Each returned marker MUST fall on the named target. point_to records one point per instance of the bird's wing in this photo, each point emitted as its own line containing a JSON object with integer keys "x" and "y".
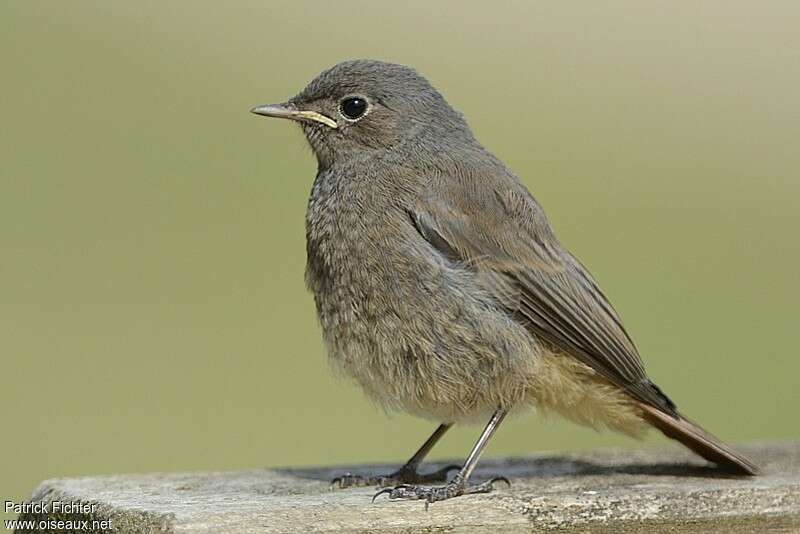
{"x": 504, "y": 237}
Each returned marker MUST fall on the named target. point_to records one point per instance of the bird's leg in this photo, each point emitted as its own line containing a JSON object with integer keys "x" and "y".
{"x": 406, "y": 474}
{"x": 459, "y": 485}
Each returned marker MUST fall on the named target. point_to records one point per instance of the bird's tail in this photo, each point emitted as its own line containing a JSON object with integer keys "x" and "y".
{"x": 692, "y": 436}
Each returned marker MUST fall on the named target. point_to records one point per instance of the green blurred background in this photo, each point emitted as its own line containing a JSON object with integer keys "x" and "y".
{"x": 153, "y": 313}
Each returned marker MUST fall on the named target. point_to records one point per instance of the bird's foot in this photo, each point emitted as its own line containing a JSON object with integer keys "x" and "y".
{"x": 431, "y": 494}
{"x": 403, "y": 476}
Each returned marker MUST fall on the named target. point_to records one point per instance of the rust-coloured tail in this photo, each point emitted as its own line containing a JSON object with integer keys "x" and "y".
{"x": 698, "y": 440}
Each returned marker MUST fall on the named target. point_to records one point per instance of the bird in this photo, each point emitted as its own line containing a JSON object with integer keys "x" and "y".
{"x": 441, "y": 288}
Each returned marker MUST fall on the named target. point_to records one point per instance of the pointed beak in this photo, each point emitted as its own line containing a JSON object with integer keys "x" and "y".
{"x": 290, "y": 111}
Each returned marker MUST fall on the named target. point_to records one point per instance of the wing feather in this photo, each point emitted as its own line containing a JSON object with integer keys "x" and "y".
{"x": 511, "y": 247}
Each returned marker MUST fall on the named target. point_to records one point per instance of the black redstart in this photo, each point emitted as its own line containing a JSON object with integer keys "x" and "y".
{"x": 441, "y": 287}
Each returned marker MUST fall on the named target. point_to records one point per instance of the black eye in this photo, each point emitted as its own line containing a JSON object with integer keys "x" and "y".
{"x": 353, "y": 107}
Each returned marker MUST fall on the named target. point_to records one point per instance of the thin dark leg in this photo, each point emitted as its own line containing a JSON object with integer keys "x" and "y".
{"x": 477, "y": 450}
{"x": 426, "y": 447}
{"x": 459, "y": 485}
{"x": 406, "y": 474}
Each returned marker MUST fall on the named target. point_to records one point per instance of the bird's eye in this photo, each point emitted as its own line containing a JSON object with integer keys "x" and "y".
{"x": 353, "y": 107}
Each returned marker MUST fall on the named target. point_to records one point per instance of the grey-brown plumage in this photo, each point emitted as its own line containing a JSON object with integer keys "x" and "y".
{"x": 439, "y": 283}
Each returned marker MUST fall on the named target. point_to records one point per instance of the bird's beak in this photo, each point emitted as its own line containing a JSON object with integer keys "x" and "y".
{"x": 290, "y": 111}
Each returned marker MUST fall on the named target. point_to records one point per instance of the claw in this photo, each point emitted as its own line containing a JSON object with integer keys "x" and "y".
{"x": 381, "y": 492}
{"x": 500, "y": 479}
{"x": 340, "y": 480}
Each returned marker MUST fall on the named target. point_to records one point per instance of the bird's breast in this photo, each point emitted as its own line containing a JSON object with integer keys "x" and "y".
{"x": 415, "y": 331}
{"x": 348, "y": 250}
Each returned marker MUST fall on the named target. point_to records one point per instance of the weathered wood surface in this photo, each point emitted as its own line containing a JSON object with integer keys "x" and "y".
{"x": 607, "y": 491}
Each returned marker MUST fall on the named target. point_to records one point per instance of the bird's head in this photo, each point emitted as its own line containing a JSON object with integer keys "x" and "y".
{"x": 360, "y": 108}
